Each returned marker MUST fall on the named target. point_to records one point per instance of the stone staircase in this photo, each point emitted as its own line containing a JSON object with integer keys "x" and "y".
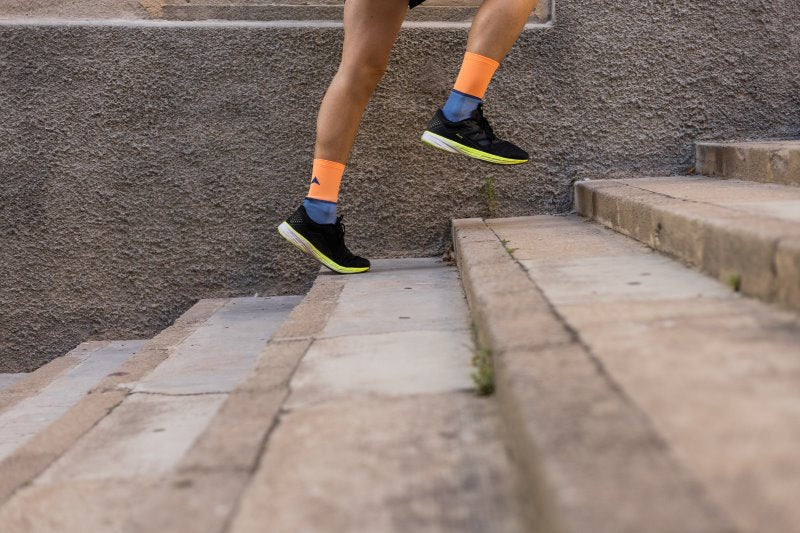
{"x": 341, "y": 412}
{"x": 633, "y": 391}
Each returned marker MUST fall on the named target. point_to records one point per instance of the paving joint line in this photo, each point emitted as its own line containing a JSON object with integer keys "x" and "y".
{"x": 704, "y": 202}
{"x": 263, "y": 446}
{"x": 178, "y": 394}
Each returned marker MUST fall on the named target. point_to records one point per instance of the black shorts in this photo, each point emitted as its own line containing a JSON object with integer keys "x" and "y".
{"x": 414, "y": 3}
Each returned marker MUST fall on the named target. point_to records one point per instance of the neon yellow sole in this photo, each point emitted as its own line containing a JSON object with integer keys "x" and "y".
{"x": 289, "y": 233}
{"x": 449, "y": 145}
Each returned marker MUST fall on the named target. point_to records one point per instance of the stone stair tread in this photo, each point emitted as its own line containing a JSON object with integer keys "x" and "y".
{"x": 381, "y": 415}
{"x": 154, "y": 425}
{"x": 741, "y": 232}
{"x": 715, "y": 375}
{"x": 774, "y": 161}
{"x": 8, "y": 379}
{"x": 94, "y": 361}
{"x": 376, "y": 428}
{"x": 590, "y": 460}
{"x": 217, "y": 356}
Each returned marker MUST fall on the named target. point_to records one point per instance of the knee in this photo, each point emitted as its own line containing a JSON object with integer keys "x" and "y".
{"x": 363, "y": 77}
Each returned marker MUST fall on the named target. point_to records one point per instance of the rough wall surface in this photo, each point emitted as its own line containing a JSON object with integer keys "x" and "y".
{"x": 144, "y": 166}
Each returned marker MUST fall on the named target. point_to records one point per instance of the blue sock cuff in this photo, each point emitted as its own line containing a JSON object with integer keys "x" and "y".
{"x": 459, "y": 106}
{"x": 320, "y": 211}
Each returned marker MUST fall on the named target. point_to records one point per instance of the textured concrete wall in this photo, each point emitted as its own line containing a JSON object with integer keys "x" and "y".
{"x": 146, "y": 166}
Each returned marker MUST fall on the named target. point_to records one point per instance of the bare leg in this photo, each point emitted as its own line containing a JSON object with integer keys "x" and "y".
{"x": 370, "y": 28}
{"x": 497, "y": 26}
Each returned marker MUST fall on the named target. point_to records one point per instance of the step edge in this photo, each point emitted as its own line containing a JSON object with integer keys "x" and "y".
{"x": 37, "y": 380}
{"x": 231, "y": 445}
{"x": 538, "y": 484}
{"x": 38, "y": 453}
{"x": 596, "y": 199}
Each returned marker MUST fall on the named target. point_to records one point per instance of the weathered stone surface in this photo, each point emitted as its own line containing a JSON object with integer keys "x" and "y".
{"x": 217, "y": 356}
{"x": 418, "y": 463}
{"x": 729, "y": 229}
{"x": 80, "y": 506}
{"x": 33, "y": 414}
{"x": 145, "y": 436}
{"x": 152, "y": 430}
{"x": 36, "y": 380}
{"x": 416, "y": 295}
{"x": 7, "y": 380}
{"x": 33, "y": 457}
{"x": 769, "y": 162}
{"x": 381, "y": 431}
{"x": 591, "y": 461}
{"x": 715, "y": 374}
{"x": 787, "y": 267}
{"x": 386, "y": 364}
{"x": 202, "y": 490}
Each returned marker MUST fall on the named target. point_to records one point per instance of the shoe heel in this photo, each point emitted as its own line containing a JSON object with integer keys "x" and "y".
{"x": 437, "y": 142}
{"x": 290, "y": 235}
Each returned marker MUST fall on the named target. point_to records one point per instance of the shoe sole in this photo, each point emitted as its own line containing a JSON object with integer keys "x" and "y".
{"x": 291, "y": 235}
{"x": 449, "y": 145}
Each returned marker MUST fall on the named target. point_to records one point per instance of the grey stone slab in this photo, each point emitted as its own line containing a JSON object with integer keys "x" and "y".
{"x": 786, "y": 210}
{"x": 145, "y": 436}
{"x": 716, "y": 374}
{"x": 6, "y": 380}
{"x": 590, "y": 460}
{"x": 387, "y": 364}
{"x": 421, "y": 463}
{"x": 770, "y": 162}
{"x": 33, "y": 414}
{"x": 217, "y": 355}
{"x": 646, "y": 276}
{"x": 382, "y": 430}
{"x": 716, "y": 192}
{"x": 415, "y": 294}
{"x": 77, "y": 507}
{"x": 34, "y": 457}
{"x": 728, "y": 228}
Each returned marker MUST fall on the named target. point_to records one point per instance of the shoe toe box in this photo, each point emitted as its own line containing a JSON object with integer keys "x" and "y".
{"x": 512, "y": 151}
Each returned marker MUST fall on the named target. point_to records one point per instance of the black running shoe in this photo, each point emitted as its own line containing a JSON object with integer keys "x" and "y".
{"x": 473, "y": 137}
{"x": 323, "y": 242}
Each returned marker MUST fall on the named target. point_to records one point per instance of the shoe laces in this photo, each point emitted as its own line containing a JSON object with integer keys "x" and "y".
{"x": 483, "y": 124}
{"x": 340, "y": 229}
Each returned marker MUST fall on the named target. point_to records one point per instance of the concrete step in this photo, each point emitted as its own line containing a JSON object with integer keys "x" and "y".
{"x": 6, "y": 380}
{"x": 358, "y": 415}
{"x": 93, "y": 361}
{"x": 745, "y": 234}
{"x": 763, "y": 161}
{"x": 645, "y": 396}
{"x": 161, "y": 414}
{"x": 381, "y": 430}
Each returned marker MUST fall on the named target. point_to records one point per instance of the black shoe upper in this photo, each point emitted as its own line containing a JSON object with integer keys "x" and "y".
{"x": 475, "y": 132}
{"x": 327, "y": 238}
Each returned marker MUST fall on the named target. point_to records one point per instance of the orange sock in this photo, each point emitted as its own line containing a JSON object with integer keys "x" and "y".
{"x": 475, "y": 74}
{"x": 326, "y": 176}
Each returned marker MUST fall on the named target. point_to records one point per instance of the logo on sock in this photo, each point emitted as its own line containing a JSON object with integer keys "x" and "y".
{"x": 315, "y": 180}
